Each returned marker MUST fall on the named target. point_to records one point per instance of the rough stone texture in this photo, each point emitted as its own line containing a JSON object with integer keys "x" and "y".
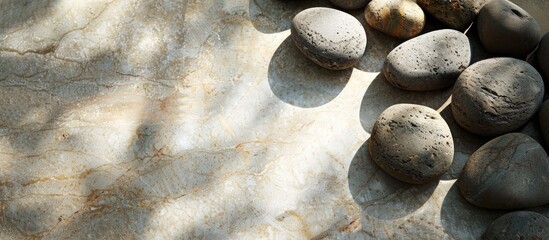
{"x": 544, "y": 122}
{"x": 496, "y": 96}
{"x": 429, "y": 62}
{"x": 331, "y": 38}
{"x": 412, "y": 143}
{"x": 456, "y": 14}
{"x": 506, "y": 29}
{"x": 179, "y": 120}
{"x": 350, "y": 4}
{"x": 508, "y": 172}
{"x": 398, "y": 18}
{"x": 519, "y": 225}
{"x": 542, "y": 56}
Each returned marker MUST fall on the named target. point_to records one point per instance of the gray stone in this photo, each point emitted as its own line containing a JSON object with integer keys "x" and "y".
{"x": 331, "y": 38}
{"x": 508, "y": 172}
{"x": 519, "y": 225}
{"x": 350, "y": 4}
{"x": 496, "y": 96}
{"x": 542, "y": 56}
{"x": 456, "y": 14}
{"x": 398, "y": 18}
{"x": 412, "y": 143}
{"x": 544, "y": 121}
{"x": 429, "y": 62}
{"x": 506, "y": 29}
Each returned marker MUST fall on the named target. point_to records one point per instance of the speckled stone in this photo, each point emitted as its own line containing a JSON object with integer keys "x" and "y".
{"x": 496, "y": 96}
{"x": 456, "y": 14}
{"x": 506, "y": 29}
{"x": 431, "y": 61}
{"x": 412, "y": 143}
{"x": 544, "y": 122}
{"x": 350, "y": 4}
{"x": 331, "y": 38}
{"x": 542, "y": 56}
{"x": 398, "y": 18}
{"x": 508, "y": 172}
{"x": 519, "y": 225}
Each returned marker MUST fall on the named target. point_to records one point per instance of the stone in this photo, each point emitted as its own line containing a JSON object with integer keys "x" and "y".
{"x": 350, "y": 4}
{"x": 456, "y": 14}
{"x": 496, "y": 96}
{"x": 398, "y": 18}
{"x": 519, "y": 225}
{"x": 542, "y": 56}
{"x": 412, "y": 143}
{"x": 508, "y": 30}
{"x": 429, "y": 62}
{"x": 508, "y": 172}
{"x": 544, "y": 122}
{"x": 331, "y": 38}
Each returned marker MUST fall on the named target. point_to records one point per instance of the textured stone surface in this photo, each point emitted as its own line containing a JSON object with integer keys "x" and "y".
{"x": 544, "y": 122}
{"x": 431, "y": 61}
{"x": 542, "y": 56}
{"x": 331, "y": 38}
{"x": 398, "y": 18}
{"x": 350, "y": 4}
{"x": 146, "y": 119}
{"x": 497, "y": 95}
{"x": 508, "y": 172}
{"x": 505, "y": 28}
{"x": 412, "y": 143}
{"x": 519, "y": 225}
{"x": 456, "y": 14}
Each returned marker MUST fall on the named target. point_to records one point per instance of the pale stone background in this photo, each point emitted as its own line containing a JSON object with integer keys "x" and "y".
{"x": 176, "y": 119}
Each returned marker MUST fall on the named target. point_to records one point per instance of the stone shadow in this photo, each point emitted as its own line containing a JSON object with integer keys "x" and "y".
{"x": 296, "y": 80}
{"x": 380, "y": 195}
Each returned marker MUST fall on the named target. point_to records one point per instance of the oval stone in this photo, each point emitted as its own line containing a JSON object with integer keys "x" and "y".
{"x": 398, "y": 18}
{"x": 331, "y": 38}
{"x": 456, "y": 14}
{"x": 508, "y": 172}
{"x": 349, "y": 4}
{"x": 429, "y": 62}
{"x": 519, "y": 225}
{"x": 496, "y": 96}
{"x": 542, "y": 56}
{"x": 412, "y": 143}
{"x": 506, "y": 29}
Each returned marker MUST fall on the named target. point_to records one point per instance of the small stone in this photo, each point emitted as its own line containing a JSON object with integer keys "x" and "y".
{"x": 429, "y": 62}
{"x": 505, "y": 28}
{"x": 331, "y": 38}
{"x": 542, "y": 56}
{"x": 350, "y": 4}
{"x": 412, "y": 143}
{"x": 508, "y": 172}
{"x": 519, "y": 225}
{"x": 496, "y": 96}
{"x": 398, "y": 18}
{"x": 456, "y": 14}
{"x": 544, "y": 122}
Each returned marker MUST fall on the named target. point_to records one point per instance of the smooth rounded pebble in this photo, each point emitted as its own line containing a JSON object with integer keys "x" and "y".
{"x": 542, "y": 55}
{"x": 508, "y": 172}
{"x": 412, "y": 143}
{"x": 331, "y": 38}
{"x": 350, "y": 4}
{"x": 398, "y": 18}
{"x": 496, "y": 96}
{"x": 544, "y": 122}
{"x": 456, "y": 14}
{"x": 506, "y": 29}
{"x": 519, "y": 225}
{"x": 429, "y": 62}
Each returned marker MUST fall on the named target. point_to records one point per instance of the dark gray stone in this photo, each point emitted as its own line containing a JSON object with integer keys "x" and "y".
{"x": 508, "y": 172}
{"x": 331, "y": 38}
{"x": 542, "y": 56}
{"x": 412, "y": 143}
{"x": 506, "y": 29}
{"x": 350, "y": 4}
{"x": 496, "y": 96}
{"x": 544, "y": 122}
{"x": 429, "y": 62}
{"x": 456, "y": 14}
{"x": 519, "y": 225}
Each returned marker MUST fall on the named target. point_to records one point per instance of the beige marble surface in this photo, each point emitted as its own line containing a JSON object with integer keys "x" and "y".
{"x": 176, "y": 119}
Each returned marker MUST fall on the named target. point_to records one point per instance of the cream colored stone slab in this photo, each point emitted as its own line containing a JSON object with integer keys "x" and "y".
{"x": 146, "y": 119}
